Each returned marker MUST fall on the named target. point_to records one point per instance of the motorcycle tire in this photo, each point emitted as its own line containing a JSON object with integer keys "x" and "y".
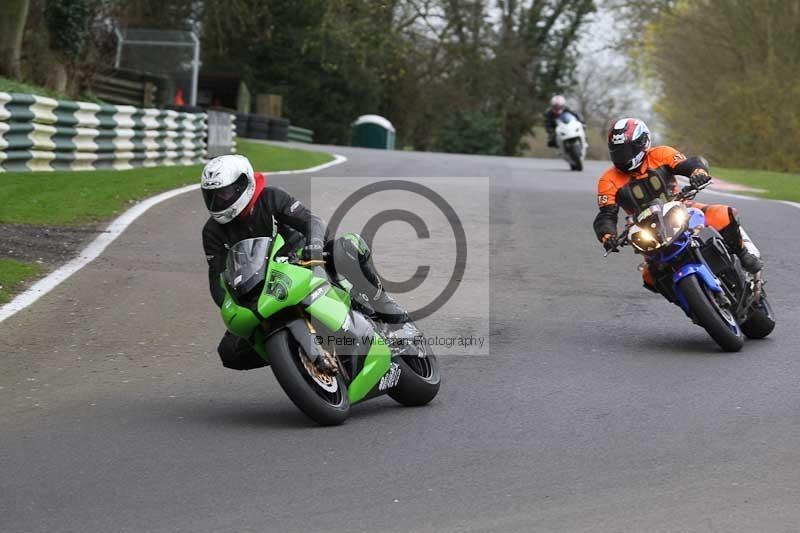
{"x": 574, "y": 153}
{"x": 760, "y": 322}
{"x": 419, "y": 382}
{"x": 257, "y": 134}
{"x": 719, "y": 323}
{"x": 287, "y": 358}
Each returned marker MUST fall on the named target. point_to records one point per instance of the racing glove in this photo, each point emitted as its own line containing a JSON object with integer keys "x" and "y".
{"x": 699, "y": 179}
{"x": 610, "y": 242}
{"x": 312, "y": 251}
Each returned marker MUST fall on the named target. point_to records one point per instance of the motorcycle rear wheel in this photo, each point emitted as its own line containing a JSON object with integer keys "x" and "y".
{"x": 420, "y": 379}
{"x": 719, "y": 323}
{"x": 326, "y": 403}
{"x": 761, "y": 321}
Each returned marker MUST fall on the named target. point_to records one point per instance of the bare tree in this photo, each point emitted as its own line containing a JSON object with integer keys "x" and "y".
{"x": 534, "y": 56}
{"x": 605, "y": 91}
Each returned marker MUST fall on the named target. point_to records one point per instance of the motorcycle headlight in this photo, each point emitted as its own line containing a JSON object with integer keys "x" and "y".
{"x": 676, "y": 221}
{"x": 646, "y": 236}
{"x": 644, "y": 239}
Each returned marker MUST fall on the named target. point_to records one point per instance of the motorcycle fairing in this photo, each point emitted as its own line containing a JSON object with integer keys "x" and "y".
{"x": 675, "y": 249}
{"x": 569, "y": 127}
{"x": 377, "y": 363}
{"x": 239, "y": 320}
{"x": 289, "y": 286}
{"x": 697, "y": 219}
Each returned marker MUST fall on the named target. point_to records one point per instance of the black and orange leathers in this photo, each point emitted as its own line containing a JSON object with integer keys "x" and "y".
{"x": 721, "y": 217}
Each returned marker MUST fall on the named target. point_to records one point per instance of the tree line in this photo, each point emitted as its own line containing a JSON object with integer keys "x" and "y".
{"x": 726, "y": 76}
{"x": 454, "y": 75}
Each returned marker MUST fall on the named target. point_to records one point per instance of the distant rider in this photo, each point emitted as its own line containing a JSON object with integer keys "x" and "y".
{"x": 241, "y": 206}
{"x": 634, "y": 160}
{"x": 558, "y": 106}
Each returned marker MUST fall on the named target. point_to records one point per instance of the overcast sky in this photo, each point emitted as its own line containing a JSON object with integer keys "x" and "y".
{"x": 597, "y": 45}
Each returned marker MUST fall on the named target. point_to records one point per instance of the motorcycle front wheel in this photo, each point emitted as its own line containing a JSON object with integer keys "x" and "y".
{"x": 573, "y": 149}
{"x": 718, "y": 322}
{"x": 322, "y": 397}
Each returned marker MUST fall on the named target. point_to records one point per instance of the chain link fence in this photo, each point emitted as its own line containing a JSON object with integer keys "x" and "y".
{"x": 174, "y": 55}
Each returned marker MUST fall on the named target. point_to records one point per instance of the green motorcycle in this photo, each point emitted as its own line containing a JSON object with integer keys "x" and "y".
{"x": 325, "y": 354}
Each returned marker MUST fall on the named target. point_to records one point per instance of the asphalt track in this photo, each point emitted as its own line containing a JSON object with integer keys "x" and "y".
{"x": 600, "y": 407}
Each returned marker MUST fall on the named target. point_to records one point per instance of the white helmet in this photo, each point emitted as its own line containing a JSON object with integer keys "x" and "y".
{"x": 228, "y": 185}
{"x": 558, "y": 101}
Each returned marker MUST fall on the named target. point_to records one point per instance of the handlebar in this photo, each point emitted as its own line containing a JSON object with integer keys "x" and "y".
{"x": 622, "y": 241}
{"x": 689, "y": 192}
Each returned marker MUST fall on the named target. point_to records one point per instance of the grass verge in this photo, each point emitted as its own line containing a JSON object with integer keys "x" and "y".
{"x": 12, "y": 274}
{"x": 266, "y": 157}
{"x": 89, "y": 197}
{"x": 14, "y": 86}
{"x": 776, "y": 185}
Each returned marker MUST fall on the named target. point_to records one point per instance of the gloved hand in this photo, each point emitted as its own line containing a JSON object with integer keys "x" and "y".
{"x": 699, "y": 179}
{"x": 610, "y": 243}
{"x": 312, "y": 251}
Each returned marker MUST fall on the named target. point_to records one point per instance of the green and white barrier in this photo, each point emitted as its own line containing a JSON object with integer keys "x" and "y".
{"x": 39, "y": 133}
{"x": 301, "y": 135}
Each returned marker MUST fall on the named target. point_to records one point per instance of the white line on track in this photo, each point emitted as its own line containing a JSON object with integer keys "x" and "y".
{"x": 112, "y": 231}
{"x": 337, "y": 159}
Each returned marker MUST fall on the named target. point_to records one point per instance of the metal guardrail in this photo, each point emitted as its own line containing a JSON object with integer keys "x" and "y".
{"x": 301, "y": 135}
{"x": 39, "y": 133}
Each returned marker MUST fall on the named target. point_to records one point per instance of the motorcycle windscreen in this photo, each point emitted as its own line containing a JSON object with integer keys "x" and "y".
{"x": 567, "y": 117}
{"x": 246, "y": 264}
{"x": 662, "y": 223}
{"x": 675, "y": 220}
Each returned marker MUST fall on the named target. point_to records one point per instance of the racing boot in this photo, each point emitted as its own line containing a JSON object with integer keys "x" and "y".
{"x": 748, "y": 254}
{"x": 739, "y": 243}
{"x": 382, "y": 306}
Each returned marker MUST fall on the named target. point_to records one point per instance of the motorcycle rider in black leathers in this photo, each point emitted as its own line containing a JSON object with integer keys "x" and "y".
{"x": 243, "y": 207}
{"x": 558, "y": 106}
